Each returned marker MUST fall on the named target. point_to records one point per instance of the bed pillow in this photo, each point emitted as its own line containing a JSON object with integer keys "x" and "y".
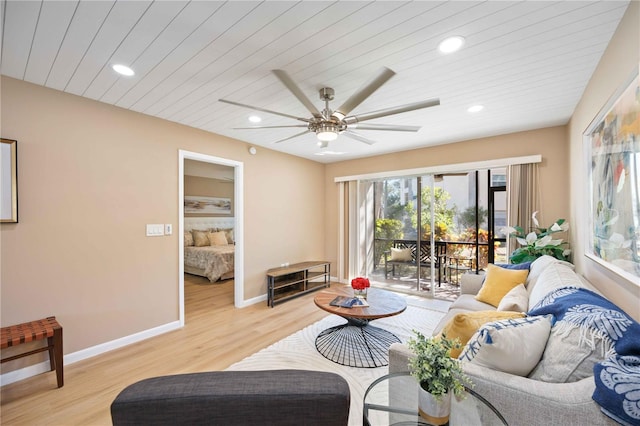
{"x": 217, "y": 238}
{"x": 401, "y": 255}
{"x": 201, "y": 238}
{"x": 228, "y": 232}
{"x": 498, "y": 283}
{"x": 513, "y": 346}
{"x": 188, "y": 239}
{"x": 462, "y": 326}
{"x": 516, "y": 300}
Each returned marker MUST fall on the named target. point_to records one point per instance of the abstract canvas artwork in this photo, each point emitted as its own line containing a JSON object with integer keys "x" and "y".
{"x": 613, "y": 147}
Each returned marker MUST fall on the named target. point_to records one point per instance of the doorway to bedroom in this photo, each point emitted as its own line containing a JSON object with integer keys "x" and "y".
{"x": 210, "y": 222}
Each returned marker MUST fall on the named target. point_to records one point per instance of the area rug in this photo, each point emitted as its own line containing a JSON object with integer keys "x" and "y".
{"x": 298, "y": 351}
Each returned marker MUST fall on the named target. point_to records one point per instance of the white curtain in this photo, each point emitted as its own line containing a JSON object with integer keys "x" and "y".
{"x": 355, "y": 239}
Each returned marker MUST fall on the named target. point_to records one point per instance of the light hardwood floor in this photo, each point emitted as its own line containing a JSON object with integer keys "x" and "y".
{"x": 215, "y": 336}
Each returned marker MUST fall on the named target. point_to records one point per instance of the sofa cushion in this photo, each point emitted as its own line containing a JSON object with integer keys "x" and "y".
{"x": 513, "y": 346}
{"x": 463, "y": 325}
{"x": 468, "y": 302}
{"x": 498, "y": 283}
{"x": 555, "y": 276}
{"x": 401, "y": 255}
{"x": 516, "y": 300}
{"x": 538, "y": 266}
{"x": 566, "y": 360}
{"x": 588, "y": 329}
{"x": 270, "y": 397}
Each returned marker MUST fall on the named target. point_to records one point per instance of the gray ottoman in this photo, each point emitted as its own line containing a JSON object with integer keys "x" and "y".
{"x": 275, "y": 397}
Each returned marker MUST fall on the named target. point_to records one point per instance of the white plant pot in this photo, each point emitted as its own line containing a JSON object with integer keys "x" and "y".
{"x": 435, "y": 412}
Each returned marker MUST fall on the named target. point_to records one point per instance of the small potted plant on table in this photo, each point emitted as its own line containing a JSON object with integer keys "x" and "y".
{"x": 438, "y": 374}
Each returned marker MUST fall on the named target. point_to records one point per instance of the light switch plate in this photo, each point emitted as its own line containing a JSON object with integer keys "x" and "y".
{"x": 155, "y": 230}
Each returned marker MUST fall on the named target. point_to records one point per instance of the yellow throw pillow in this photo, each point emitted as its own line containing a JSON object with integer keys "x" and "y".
{"x": 463, "y": 326}
{"x": 498, "y": 282}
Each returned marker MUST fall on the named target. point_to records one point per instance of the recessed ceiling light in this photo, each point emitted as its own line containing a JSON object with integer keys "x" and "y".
{"x": 123, "y": 69}
{"x": 475, "y": 108}
{"x": 255, "y": 119}
{"x": 451, "y": 44}
{"x": 325, "y": 152}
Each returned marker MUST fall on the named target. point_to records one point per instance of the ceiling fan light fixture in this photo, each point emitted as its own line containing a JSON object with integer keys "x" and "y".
{"x": 327, "y": 133}
{"x": 451, "y": 44}
{"x": 323, "y": 144}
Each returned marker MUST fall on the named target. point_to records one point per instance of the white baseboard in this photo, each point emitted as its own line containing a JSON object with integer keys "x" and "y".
{"x": 24, "y": 373}
{"x": 253, "y": 301}
{"x": 43, "y": 367}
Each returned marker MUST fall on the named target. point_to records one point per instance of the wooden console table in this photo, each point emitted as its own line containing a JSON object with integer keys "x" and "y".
{"x": 297, "y": 279}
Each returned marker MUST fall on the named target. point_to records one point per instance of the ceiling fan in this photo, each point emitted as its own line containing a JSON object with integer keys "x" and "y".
{"x": 328, "y": 123}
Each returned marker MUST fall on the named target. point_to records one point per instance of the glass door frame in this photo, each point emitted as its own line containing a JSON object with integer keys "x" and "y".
{"x": 492, "y": 239}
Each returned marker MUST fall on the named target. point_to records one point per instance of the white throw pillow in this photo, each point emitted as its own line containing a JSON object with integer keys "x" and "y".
{"x": 401, "y": 255}
{"x": 516, "y": 300}
{"x": 513, "y": 346}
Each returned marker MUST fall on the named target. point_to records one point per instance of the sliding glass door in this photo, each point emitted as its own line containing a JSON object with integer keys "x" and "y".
{"x": 421, "y": 233}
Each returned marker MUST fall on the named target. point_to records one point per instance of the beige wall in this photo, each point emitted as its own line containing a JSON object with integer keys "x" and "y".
{"x": 550, "y": 143}
{"x": 90, "y": 177}
{"x": 208, "y": 187}
{"x": 618, "y": 62}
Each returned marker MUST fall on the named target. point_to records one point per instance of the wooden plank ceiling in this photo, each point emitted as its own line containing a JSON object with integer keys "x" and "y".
{"x": 527, "y": 62}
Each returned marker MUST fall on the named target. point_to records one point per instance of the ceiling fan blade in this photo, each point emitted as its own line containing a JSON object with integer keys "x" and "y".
{"x": 394, "y": 127}
{"x": 306, "y": 120}
{"x": 365, "y": 91}
{"x": 294, "y": 136}
{"x": 293, "y": 88}
{"x": 391, "y": 111}
{"x": 358, "y": 137}
{"x": 269, "y": 127}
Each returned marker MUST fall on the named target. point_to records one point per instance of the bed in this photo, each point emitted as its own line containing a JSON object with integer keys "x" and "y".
{"x": 201, "y": 257}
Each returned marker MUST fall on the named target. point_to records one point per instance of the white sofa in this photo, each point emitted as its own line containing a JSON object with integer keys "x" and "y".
{"x": 522, "y": 400}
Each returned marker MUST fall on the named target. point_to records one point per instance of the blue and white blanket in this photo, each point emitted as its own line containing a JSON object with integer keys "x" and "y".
{"x": 618, "y": 376}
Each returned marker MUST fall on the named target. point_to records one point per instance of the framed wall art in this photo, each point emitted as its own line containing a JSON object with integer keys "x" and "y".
{"x": 612, "y": 146}
{"x": 8, "y": 181}
{"x": 207, "y": 205}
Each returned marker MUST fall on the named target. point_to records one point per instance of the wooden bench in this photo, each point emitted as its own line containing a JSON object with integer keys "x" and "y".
{"x": 31, "y": 331}
{"x": 425, "y": 256}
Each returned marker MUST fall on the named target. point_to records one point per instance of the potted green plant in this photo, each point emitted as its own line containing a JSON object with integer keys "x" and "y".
{"x": 438, "y": 374}
{"x": 538, "y": 242}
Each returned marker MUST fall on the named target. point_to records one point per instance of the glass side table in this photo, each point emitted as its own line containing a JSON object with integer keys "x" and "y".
{"x": 393, "y": 400}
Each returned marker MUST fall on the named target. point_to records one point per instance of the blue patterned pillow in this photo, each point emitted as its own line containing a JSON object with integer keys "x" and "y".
{"x": 518, "y": 266}
{"x": 513, "y": 346}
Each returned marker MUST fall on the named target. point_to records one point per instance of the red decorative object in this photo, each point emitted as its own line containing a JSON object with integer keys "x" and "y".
{"x": 360, "y": 283}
